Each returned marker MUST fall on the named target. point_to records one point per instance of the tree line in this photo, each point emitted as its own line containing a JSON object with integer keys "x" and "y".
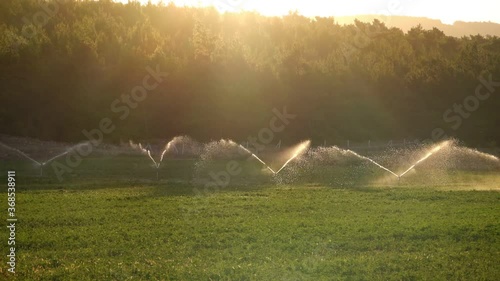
{"x": 63, "y": 63}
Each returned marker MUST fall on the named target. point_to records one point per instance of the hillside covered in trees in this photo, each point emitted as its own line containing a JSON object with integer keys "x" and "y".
{"x": 63, "y": 67}
{"x": 405, "y": 23}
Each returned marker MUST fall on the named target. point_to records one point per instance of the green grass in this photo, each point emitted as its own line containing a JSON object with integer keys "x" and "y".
{"x": 162, "y": 232}
{"x": 113, "y": 221}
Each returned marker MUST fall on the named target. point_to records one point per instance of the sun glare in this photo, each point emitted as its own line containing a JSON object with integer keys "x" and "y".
{"x": 446, "y": 11}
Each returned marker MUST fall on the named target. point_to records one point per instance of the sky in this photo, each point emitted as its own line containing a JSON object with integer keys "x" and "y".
{"x": 445, "y": 10}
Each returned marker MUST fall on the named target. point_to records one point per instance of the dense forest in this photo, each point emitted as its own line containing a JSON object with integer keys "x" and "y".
{"x": 64, "y": 64}
{"x": 405, "y": 23}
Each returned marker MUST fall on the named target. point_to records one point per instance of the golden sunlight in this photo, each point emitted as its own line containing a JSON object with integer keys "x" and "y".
{"x": 446, "y": 11}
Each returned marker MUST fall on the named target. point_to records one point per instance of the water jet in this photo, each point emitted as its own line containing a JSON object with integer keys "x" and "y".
{"x": 300, "y": 149}
{"x": 41, "y": 164}
{"x": 429, "y": 154}
{"x": 258, "y": 159}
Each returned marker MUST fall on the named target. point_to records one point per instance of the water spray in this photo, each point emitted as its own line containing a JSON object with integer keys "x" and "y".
{"x": 302, "y": 147}
{"x": 41, "y": 164}
{"x": 429, "y": 154}
{"x": 20, "y": 153}
{"x": 256, "y": 157}
{"x": 147, "y": 151}
{"x": 373, "y": 161}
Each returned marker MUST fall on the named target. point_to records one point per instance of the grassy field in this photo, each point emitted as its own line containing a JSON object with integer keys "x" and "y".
{"x": 94, "y": 226}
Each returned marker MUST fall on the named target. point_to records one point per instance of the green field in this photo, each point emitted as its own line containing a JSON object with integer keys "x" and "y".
{"x": 129, "y": 226}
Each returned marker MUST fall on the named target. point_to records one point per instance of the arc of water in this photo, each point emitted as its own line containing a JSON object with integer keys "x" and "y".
{"x": 434, "y": 150}
{"x": 301, "y": 148}
{"x": 55, "y": 157}
{"x": 65, "y": 152}
{"x": 20, "y": 153}
{"x": 482, "y": 154}
{"x": 373, "y": 161}
{"x": 163, "y": 154}
{"x": 45, "y": 162}
{"x": 167, "y": 148}
{"x": 152, "y": 159}
{"x": 286, "y": 163}
{"x": 256, "y": 157}
{"x": 148, "y": 152}
{"x": 41, "y": 164}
